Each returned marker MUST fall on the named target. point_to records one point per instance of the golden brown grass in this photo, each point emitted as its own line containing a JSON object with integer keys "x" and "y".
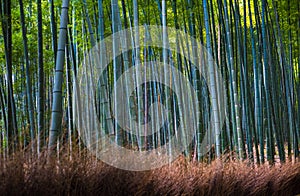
{"x": 26, "y": 175}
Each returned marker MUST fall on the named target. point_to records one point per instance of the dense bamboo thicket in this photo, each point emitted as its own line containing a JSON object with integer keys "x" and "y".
{"x": 240, "y": 61}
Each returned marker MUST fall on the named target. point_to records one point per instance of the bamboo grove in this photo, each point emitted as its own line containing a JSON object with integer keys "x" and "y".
{"x": 254, "y": 43}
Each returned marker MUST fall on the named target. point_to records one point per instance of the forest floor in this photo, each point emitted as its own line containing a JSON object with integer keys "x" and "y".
{"x": 25, "y": 175}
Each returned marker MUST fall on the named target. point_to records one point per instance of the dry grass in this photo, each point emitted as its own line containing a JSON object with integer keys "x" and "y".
{"x": 24, "y": 175}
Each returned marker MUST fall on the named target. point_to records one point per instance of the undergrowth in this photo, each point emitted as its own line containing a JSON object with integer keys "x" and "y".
{"x": 24, "y": 174}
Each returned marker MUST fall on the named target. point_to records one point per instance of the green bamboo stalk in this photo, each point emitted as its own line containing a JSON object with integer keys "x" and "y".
{"x": 56, "y": 114}
{"x": 270, "y": 154}
{"x": 53, "y": 28}
{"x": 233, "y": 83}
{"x": 41, "y": 85}
{"x": 212, "y": 80}
{"x": 28, "y": 78}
